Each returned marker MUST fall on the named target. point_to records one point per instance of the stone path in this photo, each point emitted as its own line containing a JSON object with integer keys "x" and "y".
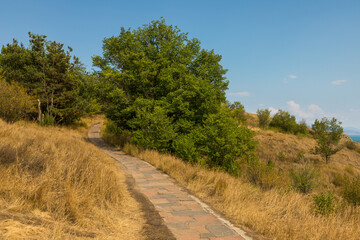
{"x": 185, "y": 215}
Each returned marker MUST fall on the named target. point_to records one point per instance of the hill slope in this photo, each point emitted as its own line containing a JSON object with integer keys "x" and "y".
{"x": 55, "y": 185}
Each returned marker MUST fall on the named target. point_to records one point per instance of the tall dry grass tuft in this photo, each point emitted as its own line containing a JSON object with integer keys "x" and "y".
{"x": 274, "y": 213}
{"x": 55, "y": 185}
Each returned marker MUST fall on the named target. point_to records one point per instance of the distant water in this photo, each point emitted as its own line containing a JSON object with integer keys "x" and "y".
{"x": 356, "y": 138}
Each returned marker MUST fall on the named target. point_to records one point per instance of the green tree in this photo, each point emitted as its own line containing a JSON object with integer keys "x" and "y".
{"x": 327, "y": 134}
{"x": 284, "y": 121}
{"x": 238, "y": 112}
{"x": 160, "y": 85}
{"x": 45, "y": 69}
{"x": 159, "y": 62}
{"x": 264, "y": 118}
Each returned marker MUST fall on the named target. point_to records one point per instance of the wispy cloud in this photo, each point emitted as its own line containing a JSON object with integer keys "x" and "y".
{"x": 239, "y": 94}
{"x": 338, "y": 82}
{"x": 289, "y": 77}
{"x": 312, "y": 111}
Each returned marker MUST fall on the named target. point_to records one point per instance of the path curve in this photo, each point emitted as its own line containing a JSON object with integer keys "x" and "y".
{"x": 185, "y": 215}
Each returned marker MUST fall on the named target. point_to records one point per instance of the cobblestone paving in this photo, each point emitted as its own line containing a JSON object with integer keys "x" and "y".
{"x": 186, "y": 218}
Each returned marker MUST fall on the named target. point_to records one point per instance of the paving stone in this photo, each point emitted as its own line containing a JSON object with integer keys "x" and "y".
{"x": 220, "y": 230}
{"x": 189, "y": 213}
{"x": 184, "y": 217}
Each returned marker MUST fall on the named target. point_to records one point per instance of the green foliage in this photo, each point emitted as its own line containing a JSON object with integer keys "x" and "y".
{"x": 327, "y": 134}
{"x": 302, "y": 127}
{"x": 222, "y": 141}
{"x": 304, "y": 178}
{"x": 324, "y": 204}
{"x": 351, "y": 190}
{"x": 46, "y": 71}
{"x": 48, "y": 120}
{"x": 264, "y": 118}
{"x": 284, "y": 121}
{"x": 238, "y": 112}
{"x": 151, "y": 126}
{"x": 185, "y": 148}
{"x": 168, "y": 92}
{"x": 15, "y": 103}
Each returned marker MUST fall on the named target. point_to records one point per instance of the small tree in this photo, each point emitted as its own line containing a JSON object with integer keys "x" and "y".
{"x": 238, "y": 112}
{"x": 264, "y": 118}
{"x": 327, "y": 134}
{"x": 15, "y": 103}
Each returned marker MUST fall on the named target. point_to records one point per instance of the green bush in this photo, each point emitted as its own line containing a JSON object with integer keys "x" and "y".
{"x": 184, "y": 147}
{"x": 302, "y": 127}
{"x": 221, "y": 141}
{"x": 264, "y": 118}
{"x": 238, "y": 112}
{"x": 15, "y": 103}
{"x": 324, "y": 204}
{"x": 152, "y": 127}
{"x": 351, "y": 190}
{"x": 48, "y": 120}
{"x": 284, "y": 121}
{"x": 304, "y": 179}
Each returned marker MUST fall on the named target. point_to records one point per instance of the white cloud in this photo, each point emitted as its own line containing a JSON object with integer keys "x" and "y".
{"x": 312, "y": 111}
{"x": 292, "y": 76}
{"x": 273, "y": 110}
{"x": 338, "y": 82}
{"x": 239, "y": 94}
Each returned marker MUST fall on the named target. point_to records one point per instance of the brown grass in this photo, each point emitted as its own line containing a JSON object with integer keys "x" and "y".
{"x": 274, "y": 213}
{"x": 55, "y": 185}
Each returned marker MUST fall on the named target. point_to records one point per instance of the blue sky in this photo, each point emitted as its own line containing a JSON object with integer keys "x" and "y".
{"x": 300, "y": 56}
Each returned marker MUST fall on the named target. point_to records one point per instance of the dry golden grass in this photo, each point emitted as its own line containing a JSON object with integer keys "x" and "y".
{"x": 296, "y": 150}
{"x": 276, "y": 214}
{"x": 55, "y": 185}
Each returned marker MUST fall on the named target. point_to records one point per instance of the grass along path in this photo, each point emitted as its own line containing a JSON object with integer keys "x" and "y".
{"x": 185, "y": 216}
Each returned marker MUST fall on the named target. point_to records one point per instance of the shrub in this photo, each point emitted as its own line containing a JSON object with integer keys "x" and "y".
{"x": 221, "y": 141}
{"x": 264, "y": 118}
{"x": 152, "y": 127}
{"x": 48, "y": 120}
{"x": 263, "y": 174}
{"x": 351, "y": 190}
{"x": 324, "y": 204}
{"x": 302, "y": 127}
{"x": 238, "y": 112}
{"x": 15, "y": 103}
{"x": 284, "y": 121}
{"x": 184, "y": 147}
{"x": 304, "y": 179}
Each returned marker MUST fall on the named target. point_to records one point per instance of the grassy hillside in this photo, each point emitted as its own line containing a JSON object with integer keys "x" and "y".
{"x": 270, "y": 206}
{"x": 55, "y": 185}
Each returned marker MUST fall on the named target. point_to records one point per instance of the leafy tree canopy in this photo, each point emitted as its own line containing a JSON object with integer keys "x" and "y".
{"x": 48, "y": 72}
{"x": 163, "y": 87}
{"x": 327, "y": 134}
